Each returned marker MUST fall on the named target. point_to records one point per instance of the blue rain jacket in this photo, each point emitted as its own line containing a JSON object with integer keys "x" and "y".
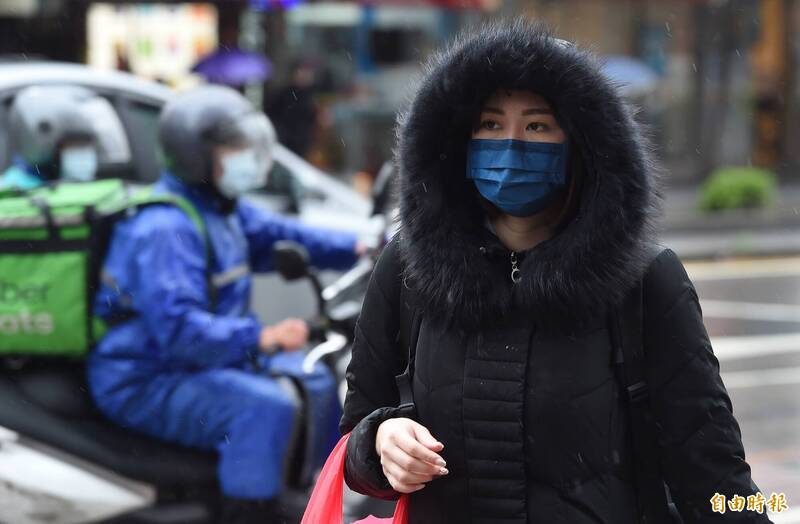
{"x": 20, "y": 176}
{"x": 175, "y": 370}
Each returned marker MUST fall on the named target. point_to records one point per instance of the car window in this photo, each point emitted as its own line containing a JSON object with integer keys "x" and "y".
{"x": 281, "y": 181}
{"x": 141, "y": 121}
{"x": 113, "y": 147}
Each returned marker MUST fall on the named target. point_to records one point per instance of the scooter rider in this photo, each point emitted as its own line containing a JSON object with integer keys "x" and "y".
{"x": 176, "y": 364}
{"x": 50, "y": 138}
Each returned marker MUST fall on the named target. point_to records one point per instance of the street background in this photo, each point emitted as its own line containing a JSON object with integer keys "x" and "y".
{"x": 716, "y": 82}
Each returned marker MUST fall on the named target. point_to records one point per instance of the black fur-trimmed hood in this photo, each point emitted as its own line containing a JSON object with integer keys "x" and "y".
{"x": 457, "y": 268}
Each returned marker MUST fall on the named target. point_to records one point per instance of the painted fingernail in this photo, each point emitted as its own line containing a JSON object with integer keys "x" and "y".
{"x": 441, "y": 462}
{"x": 443, "y": 471}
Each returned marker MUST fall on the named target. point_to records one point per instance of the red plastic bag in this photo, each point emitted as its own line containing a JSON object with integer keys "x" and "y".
{"x": 325, "y": 505}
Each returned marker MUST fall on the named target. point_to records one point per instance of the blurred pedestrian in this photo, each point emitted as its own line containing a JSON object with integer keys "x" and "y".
{"x": 527, "y": 202}
{"x": 293, "y": 110}
{"x": 50, "y": 138}
{"x": 177, "y": 361}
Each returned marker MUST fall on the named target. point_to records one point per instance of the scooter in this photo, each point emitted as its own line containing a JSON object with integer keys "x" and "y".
{"x": 62, "y": 462}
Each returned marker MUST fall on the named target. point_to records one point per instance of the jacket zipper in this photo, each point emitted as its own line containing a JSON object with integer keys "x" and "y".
{"x": 515, "y": 273}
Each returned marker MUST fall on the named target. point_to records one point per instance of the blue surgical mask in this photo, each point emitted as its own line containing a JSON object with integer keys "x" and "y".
{"x": 78, "y": 164}
{"x": 520, "y": 178}
{"x": 241, "y": 172}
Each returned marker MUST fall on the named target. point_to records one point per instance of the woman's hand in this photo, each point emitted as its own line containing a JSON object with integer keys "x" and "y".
{"x": 408, "y": 454}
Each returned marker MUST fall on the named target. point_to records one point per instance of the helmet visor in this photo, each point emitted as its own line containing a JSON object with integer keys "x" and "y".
{"x": 251, "y": 131}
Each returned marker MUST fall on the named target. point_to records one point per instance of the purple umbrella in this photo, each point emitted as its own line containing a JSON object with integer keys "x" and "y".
{"x": 233, "y": 67}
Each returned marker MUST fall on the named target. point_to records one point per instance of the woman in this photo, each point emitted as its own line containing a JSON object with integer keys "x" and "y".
{"x": 526, "y": 200}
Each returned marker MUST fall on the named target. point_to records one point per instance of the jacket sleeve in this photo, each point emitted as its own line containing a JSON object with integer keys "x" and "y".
{"x": 328, "y": 249}
{"x": 699, "y": 438}
{"x": 371, "y": 391}
{"x": 171, "y": 297}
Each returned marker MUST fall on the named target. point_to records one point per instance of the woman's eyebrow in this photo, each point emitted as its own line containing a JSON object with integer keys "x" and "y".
{"x": 495, "y": 110}
{"x": 537, "y": 111}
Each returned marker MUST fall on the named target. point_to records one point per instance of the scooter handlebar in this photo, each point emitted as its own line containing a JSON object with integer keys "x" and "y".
{"x": 333, "y": 342}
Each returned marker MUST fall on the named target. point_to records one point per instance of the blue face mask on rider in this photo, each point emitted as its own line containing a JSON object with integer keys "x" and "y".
{"x": 78, "y": 164}
{"x": 520, "y": 178}
{"x": 241, "y": 172}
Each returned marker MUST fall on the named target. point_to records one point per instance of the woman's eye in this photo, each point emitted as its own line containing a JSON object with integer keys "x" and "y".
{"x": 490, "y": 125}
{"x": 536, "y": 126}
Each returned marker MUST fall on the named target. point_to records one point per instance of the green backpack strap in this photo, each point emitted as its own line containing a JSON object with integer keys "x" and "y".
{"x": 147, "y": 197}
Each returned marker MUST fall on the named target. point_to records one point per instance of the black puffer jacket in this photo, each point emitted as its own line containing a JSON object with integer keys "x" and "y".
{"x": 517, "y": 380}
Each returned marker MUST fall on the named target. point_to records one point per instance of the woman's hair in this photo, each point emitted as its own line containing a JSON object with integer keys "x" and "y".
{"x": 575, "y": 175}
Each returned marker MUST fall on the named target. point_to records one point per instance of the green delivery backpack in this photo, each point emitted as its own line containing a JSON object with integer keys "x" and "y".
{"x": 52, "y": 244}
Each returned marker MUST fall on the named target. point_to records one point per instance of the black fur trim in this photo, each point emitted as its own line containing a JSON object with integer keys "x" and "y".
{"x": 458, "y": 270}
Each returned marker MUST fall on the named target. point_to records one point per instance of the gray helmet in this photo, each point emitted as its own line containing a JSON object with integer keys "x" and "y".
{"x": 42, "y": 118}
{"x": 196, "y": 121}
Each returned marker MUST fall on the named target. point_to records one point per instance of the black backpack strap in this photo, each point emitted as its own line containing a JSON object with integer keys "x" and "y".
{"x": 410, "y": 321}
{"x": 655, "y": 503}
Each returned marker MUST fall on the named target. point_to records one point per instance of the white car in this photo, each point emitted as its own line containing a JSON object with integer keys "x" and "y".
{"x": 126, "y": 119}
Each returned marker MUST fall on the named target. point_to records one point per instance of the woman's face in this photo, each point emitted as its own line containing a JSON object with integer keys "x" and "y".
{"x": 518, "y": 115}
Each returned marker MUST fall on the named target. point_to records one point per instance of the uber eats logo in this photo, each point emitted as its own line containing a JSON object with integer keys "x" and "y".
{"x": 16, "y": 303}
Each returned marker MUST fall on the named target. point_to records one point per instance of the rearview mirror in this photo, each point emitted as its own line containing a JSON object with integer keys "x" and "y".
{"x": 291, "y": 259}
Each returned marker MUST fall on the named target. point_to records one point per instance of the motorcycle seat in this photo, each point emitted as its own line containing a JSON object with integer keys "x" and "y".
{"x": 50, "y": 405}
